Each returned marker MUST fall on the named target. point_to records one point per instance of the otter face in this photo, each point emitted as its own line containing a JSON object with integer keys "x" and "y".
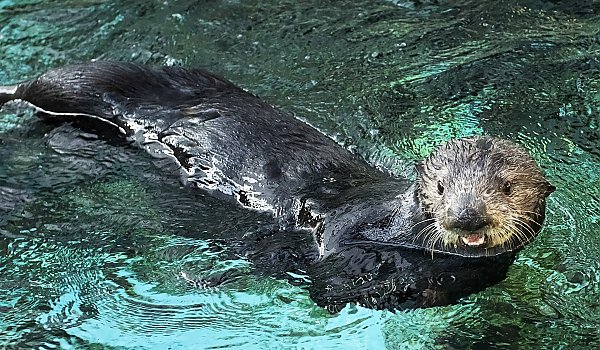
{"x": 481, "y": 196}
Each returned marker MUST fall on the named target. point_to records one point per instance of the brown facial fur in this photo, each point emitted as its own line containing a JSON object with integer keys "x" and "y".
{"x": 483, "y": 188}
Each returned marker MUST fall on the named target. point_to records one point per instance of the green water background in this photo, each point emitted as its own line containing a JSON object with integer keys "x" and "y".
{"x": 94, "y": 254}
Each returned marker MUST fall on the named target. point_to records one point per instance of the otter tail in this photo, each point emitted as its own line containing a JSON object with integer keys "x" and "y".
{"x": 119, "y": 94}
{"x": 7, "y": 93}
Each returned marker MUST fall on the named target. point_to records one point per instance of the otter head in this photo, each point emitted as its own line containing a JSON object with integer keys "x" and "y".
{"x": 481, "y": 196}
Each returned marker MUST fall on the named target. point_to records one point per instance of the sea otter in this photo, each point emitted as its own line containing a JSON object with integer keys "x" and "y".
{"x": 473, "y": 197}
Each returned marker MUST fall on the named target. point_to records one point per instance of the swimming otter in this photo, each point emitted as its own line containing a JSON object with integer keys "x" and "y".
{"x": 474, "y": 197}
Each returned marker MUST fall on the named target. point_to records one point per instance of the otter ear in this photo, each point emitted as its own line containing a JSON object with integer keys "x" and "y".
{"x": 549, "y": 188}
{"x": 420, "y": 167}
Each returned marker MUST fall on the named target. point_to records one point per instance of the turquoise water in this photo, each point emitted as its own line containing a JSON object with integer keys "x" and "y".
{"x": 98, "y": 248}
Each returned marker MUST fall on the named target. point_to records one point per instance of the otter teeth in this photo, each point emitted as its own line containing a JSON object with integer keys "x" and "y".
{"x": 474, "y": 239}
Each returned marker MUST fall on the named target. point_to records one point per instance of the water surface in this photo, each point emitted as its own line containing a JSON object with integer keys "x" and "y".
{"x": 99, "y": 249}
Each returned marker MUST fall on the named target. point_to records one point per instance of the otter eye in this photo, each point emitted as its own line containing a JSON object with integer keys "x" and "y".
{"x": 507, "y": 187}
{"x": 440, "y": 187}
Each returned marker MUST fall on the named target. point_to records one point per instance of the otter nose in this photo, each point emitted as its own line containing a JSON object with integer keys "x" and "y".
{"x": 468, "y": 219}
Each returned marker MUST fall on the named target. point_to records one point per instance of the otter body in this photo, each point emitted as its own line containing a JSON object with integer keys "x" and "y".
{"x": 474, "y": 197}
{"x": 229, "y": 142}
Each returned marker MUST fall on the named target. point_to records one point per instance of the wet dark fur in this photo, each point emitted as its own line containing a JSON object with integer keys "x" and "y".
{"x": 235, "y": 146}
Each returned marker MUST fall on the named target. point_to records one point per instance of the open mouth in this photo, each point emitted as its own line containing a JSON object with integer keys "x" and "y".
{"x": 474, "y": 239}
